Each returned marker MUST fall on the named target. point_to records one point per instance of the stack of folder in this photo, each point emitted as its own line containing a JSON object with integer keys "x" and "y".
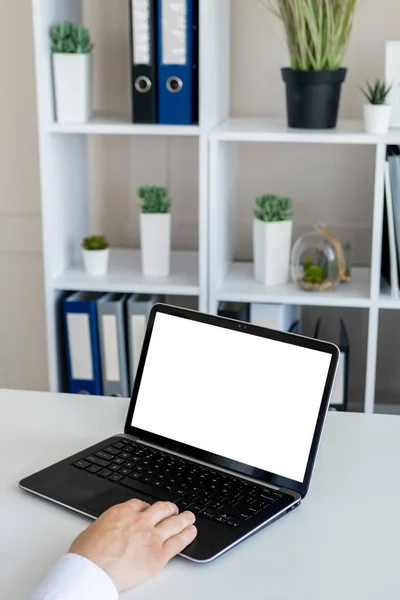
{"x": 164, "y": 54}
{"x": 391, "y": 229}
{"x": 104, "y": 336}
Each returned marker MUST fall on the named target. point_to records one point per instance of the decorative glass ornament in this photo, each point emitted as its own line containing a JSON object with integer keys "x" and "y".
{"x": 317, "y": 262}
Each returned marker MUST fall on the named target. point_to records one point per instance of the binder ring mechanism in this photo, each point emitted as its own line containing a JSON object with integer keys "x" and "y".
{"x": 142, "y": 84}
{"x": 174, "y": 84}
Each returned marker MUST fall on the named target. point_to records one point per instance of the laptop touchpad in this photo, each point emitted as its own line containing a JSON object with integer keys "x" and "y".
{"x": 102, "y": 502}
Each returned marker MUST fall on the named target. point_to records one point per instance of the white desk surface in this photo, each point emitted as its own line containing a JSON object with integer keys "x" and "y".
{"x": 342, "y": 543}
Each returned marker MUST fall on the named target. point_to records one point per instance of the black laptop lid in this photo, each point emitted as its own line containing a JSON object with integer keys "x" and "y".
{"x": 232, "y": 394}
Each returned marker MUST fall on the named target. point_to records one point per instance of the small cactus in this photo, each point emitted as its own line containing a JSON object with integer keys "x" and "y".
{"x": 154, "y": 200}
{"x": 69, "y": 38}
{"x": 270, "y": 208}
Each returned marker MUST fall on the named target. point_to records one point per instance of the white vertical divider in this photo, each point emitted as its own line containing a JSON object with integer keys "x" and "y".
{"x": 373, "y": 324}
{"x": 214, "y": 107}
{"x": 63, "y": 173}
{"x": 222, "y": 198}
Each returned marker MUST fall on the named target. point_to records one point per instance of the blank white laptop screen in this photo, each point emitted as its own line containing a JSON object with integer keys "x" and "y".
{"x": 243, "y": 397}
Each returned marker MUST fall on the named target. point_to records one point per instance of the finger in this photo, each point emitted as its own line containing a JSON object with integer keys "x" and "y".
{"x": 137, "y": 505}
{"x": 175, "y": 525}
{"x": 161, "y": 511}
{"x": 177, "y": 543}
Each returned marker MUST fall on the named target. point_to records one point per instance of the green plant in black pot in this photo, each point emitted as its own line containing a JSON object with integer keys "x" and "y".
{"x": 317, "y": 33}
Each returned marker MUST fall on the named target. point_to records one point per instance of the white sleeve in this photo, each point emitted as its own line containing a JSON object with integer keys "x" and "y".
{"x": 76, "y": 578}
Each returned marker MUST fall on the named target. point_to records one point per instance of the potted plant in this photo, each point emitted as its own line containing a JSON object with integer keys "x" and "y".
{"x": 272, "y": 236}
{"x": 72, "y": 67}
{"x": 96, "y": 255}
{"x": 155, "y": 230}
{"x": 377, "y": 114}
{"x": 317, "y": 33}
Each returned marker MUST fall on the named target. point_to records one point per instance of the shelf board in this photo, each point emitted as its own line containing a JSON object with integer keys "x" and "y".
{"x": 125, "y": 275}
{"x": 276, "y": 130}
{"x": 240, "y": 286}
{"x": 122, "y": 125}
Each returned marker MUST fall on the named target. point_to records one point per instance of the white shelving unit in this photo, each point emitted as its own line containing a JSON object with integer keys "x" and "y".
{"x": 233, "y": 281}
{"x": 211, "y": 274}
{"x": 64, "y": 174}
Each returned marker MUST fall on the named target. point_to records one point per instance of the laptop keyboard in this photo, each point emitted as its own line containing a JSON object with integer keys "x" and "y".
{"x": 202, "y": 490}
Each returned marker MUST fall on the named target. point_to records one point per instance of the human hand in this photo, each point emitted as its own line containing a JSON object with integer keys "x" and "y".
{"x": 132, "y": 542}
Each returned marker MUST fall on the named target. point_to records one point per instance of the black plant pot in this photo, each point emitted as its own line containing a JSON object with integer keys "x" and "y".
{"x": 313, "y": 97}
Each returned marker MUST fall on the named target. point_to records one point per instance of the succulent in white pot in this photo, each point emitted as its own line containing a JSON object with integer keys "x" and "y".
{"x": 155, "y": 231}
{"x": 72, "y": 69}
{"x": 377, "y": 113}
{"x": 96, "y": 255}
{"x": 272, "y": 239}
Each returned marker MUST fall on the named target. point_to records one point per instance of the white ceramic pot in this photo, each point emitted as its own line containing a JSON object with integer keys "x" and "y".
{"x": 96, "y": 261}
{"x": 271, "y": 245}
{"x": 73, "y": 87}
{"x": 155, "y": 236}
{"x": 377, "y": 118}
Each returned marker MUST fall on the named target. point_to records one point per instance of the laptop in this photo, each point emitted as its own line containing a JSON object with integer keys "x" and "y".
{"x": 225, "y": 420}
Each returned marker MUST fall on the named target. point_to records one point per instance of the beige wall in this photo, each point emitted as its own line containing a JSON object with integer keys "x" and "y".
{"x": 332, "y": 184}
{"x": 22, "y": 330}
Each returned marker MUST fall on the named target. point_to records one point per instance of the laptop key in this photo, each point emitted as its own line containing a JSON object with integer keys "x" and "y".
{"x": 98, "y": 461}
{"x": 208, "y": 514}
{"x": 183, "y": 504}
{"x": 104, "y": 455}
{"x": 197, "y": 508}
{"x": 115, "y": 477}
{"x": 253, "y": 510}
{"x": 232, "y": 512}
{"x": 118, "y": 461}
{"x": 124, "y": 455}
{"x": 233, "y": 523}
{"x": 125, "y": 471}
{"x": 112, "y": 450}
{"x": 267, "y": 497}
{"x": 82, "y": 464}
{"x": 105, "y": 473}
{"x": 214, "y": 505}
{"x": 220, "y": 519}
{"x": 119, "y": 445}
{"x": 93, "y": 469}
{"x": 114, "y": 467}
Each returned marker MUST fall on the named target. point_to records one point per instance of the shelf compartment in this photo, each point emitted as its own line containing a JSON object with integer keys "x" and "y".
{"x": 125, "y": 275}
{"x": 122, "y": 125}
{"x": 239, "y": 285}
{"x": 386, "y": 299}
{"x": 276, "y": 130}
